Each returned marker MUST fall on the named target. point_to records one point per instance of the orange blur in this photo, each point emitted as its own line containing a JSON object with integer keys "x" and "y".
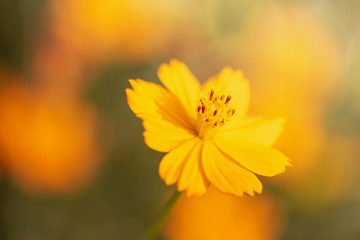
{"x": 293, "y": 62}
{"x": 48, "y": 144}
{"x": 220, "y": 216}
{"x": 122, "y": 29}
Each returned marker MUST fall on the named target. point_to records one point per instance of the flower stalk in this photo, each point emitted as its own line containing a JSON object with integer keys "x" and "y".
{"x": 161, "y": 218}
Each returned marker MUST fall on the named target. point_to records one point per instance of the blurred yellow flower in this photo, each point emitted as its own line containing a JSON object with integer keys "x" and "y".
{"x": 122, "y": 29}
{"x": 233, "y": 218}
{"x": 206, "y": 131}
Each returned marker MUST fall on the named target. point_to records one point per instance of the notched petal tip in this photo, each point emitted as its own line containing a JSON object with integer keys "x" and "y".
{"x": 128, "y": 92}
{"x": 131, "y": 80}
{"x": 134, "y": 82}
{"x": 286, "y": 164}
{"x": 195, "y": 195}
{"x": 166, "y": 68}
{"x": 192, "y": 193}
{"x": 254, "y": 190}
{"x": 229, "y": 71}
{"x": 259, "y": 190}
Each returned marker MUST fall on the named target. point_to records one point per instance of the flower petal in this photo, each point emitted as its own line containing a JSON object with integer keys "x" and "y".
{"x": 183, "y": 165}
{"x": 256, "y": 157}
{"x": 172, "y": 164}
{"x": 151, "y": 101}
{"x": 193, "y": 178}
{"x": 233, "y": 83}
{"x": 181, "y": 82}
{"x": 226, "y": 174}
{"x": 162, "y": 114}
{"x": 259, "y": 130}
{"x": 163, "y": 136}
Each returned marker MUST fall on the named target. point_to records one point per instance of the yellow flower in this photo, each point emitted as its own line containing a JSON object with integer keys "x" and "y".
{"x": 206, "y": 131}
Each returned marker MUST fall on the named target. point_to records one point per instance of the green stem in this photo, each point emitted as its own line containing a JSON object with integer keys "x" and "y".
{"x": 163, "y": 215}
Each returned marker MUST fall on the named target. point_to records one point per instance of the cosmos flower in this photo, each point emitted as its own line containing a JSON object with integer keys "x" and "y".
{"x": 206, "y": 132}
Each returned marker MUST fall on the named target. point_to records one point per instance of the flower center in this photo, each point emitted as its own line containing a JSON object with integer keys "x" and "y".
{"x": 213, "y": 112}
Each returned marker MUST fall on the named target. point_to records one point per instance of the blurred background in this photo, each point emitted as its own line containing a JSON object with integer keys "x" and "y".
{"x": 73, "y": 163}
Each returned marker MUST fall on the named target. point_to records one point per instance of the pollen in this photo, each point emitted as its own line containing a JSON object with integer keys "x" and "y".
{"x": 215, "y": 109}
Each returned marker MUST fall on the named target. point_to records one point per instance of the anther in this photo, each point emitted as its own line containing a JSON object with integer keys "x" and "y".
{"x": 222, "y": 97}
{"x": 199, "y": 108}
{"x": 232, "y": 111}
{"x": 211, "y": 94}
{"x": 215, "y": 112}
{"x": 203, "y": 109}
{"x": 228, "y": 99}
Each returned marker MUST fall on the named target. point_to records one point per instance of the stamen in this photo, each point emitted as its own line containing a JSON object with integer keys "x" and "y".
{"x": 214, "y": 110}
{"x": 211, "y": 94}
{"x": 231, "y": 112}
